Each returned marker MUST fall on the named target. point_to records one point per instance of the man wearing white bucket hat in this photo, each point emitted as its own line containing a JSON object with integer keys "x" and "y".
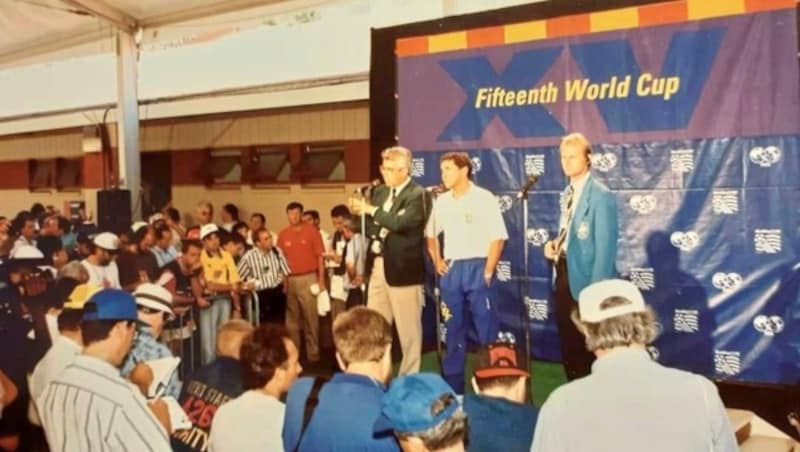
{"x": 154, "y": 308}
{"x": 629, "y": 402}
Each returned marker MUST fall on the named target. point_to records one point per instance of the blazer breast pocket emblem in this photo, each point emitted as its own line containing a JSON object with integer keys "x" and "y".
{"x": 583, "y": 230}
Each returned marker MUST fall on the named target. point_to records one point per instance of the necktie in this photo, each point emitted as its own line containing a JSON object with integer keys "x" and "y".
{"x": 394, "y": 195}
{"x": 562, "y": 235}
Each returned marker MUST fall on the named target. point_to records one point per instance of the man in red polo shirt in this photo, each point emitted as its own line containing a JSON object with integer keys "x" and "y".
{"x": 303, "y": 248}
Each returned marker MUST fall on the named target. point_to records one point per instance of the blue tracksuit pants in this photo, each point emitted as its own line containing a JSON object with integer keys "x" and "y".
{"x": 463, "y": 291}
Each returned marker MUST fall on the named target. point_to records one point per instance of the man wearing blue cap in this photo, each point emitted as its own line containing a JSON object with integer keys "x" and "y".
{"x": 90, "y": 406}
{"x": 424, "y": 413}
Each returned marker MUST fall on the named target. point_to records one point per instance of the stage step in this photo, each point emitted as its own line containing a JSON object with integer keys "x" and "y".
{"x": 758, "y": 443}
{"x": 741, "y": 422}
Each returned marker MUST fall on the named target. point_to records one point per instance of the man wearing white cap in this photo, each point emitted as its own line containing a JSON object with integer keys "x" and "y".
{"x": 154, "y": 308}
{"x": 100, "y": 264}
{"x": 629, "y": 402}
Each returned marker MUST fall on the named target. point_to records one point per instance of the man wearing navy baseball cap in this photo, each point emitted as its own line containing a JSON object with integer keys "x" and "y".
{"x": 499, "y": 417}
{"x": 105, "y": 411}
{"x": 424, "y": 413}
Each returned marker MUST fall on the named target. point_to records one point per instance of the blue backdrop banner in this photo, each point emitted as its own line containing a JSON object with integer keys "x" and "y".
{"x": 704, "y": 165}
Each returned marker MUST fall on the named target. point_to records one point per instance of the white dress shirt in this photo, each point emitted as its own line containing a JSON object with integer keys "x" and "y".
{"x": 89, "y": 406}
{"x": 632, "y": 403}
{"x": 577, "y": 187}
{"x": 387, "y": 205}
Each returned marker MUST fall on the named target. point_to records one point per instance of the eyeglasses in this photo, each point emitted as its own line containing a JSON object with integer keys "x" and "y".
{"x": 150, "y": 311}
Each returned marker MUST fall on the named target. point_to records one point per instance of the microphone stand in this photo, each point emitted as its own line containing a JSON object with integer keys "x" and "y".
{"x": 364, "y": 243}
{"x": 437, "y": 295}
{"x": 523, "y": 284}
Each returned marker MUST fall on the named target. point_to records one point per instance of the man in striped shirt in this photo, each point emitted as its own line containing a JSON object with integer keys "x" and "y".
{"x": 90, "y": 406}
{"x": 266, "y": 266}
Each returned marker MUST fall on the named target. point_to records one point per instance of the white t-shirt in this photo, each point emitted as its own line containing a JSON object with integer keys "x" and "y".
{"x": 98, "y": 275}
{"x": 470, "y": 223}
{"x": 252, "y": 421}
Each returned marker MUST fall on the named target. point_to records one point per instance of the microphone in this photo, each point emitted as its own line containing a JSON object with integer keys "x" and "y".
{"x": 436, "y": 189}
{"x": 532, "y": 179}
{"x": 367, "y": 188}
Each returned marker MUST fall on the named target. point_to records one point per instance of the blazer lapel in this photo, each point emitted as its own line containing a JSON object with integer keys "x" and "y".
{"x": 380, "y": 195}
{"x": 583, "y": 204}
{"x": 401, "y": 197}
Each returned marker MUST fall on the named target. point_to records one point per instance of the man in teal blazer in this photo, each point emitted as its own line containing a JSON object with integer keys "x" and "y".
{"x": 585, "y": 250}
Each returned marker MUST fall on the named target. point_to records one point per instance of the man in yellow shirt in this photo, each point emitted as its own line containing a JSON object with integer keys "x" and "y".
{"x": 222, "y": 285}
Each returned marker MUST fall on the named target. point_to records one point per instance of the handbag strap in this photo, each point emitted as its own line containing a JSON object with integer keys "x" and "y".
{"x": 311, "y": 404}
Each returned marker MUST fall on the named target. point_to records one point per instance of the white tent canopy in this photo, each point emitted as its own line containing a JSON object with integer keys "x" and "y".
{"x": 58, "y": 64}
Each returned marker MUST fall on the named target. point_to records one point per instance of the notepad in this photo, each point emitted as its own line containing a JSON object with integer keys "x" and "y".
{"x": 177, "y": 417}
{"x": 162, "y": 371}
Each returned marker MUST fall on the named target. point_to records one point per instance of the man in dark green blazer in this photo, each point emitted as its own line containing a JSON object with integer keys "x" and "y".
{"x": 395, "y": 218}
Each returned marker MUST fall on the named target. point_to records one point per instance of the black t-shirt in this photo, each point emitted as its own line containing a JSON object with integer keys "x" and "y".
{"x": 338, "y": 237}
{"x": 131, "y": 264}
{"x": 183, "y": 282}
{"x": 201, "y": 396}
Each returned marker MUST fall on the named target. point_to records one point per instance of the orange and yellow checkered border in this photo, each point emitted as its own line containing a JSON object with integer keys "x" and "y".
{"x": 617, "y": 19}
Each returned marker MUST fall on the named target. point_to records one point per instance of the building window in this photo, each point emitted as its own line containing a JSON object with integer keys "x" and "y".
{"x": 69, "y": 174}
{"x": 323, "y": 163}
{"x": 225, "y": 167}
{"x": 271, "y": 164}
{"x": 41, "y": 174}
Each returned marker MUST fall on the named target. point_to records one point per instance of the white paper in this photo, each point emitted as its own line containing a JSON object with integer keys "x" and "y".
{"x": 165, "y": 278}
{"x": 162, "y": 370}
{"x": 338, "y": 291}
{"x": 177, "y": 417}
{"x": 323, "y": 303}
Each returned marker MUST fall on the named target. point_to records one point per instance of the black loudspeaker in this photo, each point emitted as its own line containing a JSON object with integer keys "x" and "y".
{"x": 114, "y": 210}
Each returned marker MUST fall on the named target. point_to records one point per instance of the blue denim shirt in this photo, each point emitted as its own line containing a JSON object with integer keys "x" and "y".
{"x": 146, "y": 348}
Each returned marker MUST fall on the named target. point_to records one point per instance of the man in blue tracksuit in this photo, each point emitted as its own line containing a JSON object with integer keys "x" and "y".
{"x": 474, "y": 234}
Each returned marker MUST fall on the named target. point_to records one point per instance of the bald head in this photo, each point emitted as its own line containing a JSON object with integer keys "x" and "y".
{"x": 230, "y": 336}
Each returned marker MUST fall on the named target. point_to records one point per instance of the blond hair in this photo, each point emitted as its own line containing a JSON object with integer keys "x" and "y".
{"x": 230, "y": 336}
{"x": 397, "y": 152}
{"x": 576, "y": 138}
{"x": 361, "y": 335}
